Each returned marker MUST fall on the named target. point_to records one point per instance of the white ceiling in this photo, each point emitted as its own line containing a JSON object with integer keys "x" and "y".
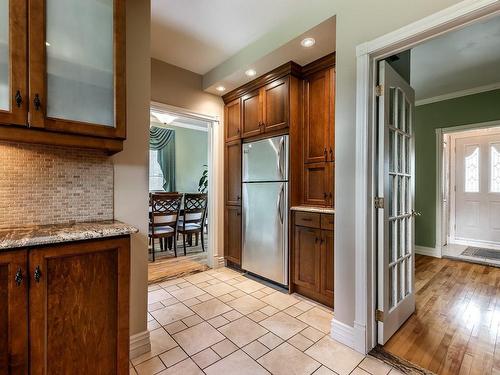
{"x": 462, "y": 60}
{"x": 198, "y": 35}
{"x": 323, "y": 34}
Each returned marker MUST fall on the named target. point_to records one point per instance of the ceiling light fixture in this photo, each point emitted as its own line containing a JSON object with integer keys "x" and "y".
{"x": 220, "y": 88}
{"x": 308, "y": 42}
{"x": 164, "y": 118}
{"x": 251, "y": 73}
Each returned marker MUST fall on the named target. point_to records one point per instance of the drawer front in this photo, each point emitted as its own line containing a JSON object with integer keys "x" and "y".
{"x": 327, "y": 221}
{"x": 307, "y": 219}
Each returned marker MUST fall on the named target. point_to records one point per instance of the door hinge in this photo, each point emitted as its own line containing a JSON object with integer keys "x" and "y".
{"x": 379, "y": 202}
{"x": 379, "y": 316}
{"x": 379, "y": 90}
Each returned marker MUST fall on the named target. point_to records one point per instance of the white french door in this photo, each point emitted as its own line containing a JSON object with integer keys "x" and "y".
{"x": 395, "y": 222}
{"x": 477, "y": 189}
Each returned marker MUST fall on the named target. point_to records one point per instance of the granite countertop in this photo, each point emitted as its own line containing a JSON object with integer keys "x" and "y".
{"x": 58, "y": 233}
{"x": 321, "y": 210}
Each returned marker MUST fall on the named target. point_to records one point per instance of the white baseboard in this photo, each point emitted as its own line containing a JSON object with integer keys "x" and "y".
{"x": 218, "y": 262}
{"x": 140, "y": 343}
{"x": 429, "y": 251}
{"x": 342, "y": 333}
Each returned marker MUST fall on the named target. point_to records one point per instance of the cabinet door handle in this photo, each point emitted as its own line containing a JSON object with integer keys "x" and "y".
{"x": 331, "y": 195}
{"x": 19, "y": 277}
{"x": 238, "y": 198}
{"x": 19, "y": 99}
{"x": 37, "y": 102}
{"x": 331, "y": 154}
{"x": 325, "y": 195}
{"x": 37, "y": 275}
{"x": 326, "y": 154}
{"x": 238, "y": 131}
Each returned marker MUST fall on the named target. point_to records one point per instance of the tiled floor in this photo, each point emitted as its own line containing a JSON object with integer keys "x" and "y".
{"x": 221, "y": 322}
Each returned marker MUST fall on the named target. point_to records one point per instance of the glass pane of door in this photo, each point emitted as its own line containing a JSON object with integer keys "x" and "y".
{"x": 4, "y": 56}
{"x": 80, "y": 75}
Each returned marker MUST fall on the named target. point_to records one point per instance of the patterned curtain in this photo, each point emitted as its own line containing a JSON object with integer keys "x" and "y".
{"x": 163, "y": 140}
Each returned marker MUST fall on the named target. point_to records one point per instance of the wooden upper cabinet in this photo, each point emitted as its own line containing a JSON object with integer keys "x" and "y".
{"x": 79, "y": 300}
{"x": 319, "y": 117}
{"x": 251, "y": 109}
{"x": 77, "y": 67}
{"x": 13, "y": 63}
{"x": 13, "y": 313}
{"x": 232, "y": 120}
{"x": 275, "y": 104}
{"x": 318, "y": 184}
{"x": 232, "y": 173}
{"x": 232, "y": 234}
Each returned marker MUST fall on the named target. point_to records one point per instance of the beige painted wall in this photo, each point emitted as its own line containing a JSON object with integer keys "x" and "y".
{"x": 131, "y": 165}
{"x": 182, "y": 88}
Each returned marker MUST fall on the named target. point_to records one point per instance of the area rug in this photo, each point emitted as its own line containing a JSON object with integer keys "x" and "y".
{"x": 479, "y": 252}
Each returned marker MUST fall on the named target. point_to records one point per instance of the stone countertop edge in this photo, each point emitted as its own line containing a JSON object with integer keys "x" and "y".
{"x": 59, "y": 233}
{"x": 322, "y": 210}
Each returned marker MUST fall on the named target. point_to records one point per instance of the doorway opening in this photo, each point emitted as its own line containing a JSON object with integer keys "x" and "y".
{"x": 469, "y": 185}
{"x": 419, "y": 307}
{"x": 180, "y": 171}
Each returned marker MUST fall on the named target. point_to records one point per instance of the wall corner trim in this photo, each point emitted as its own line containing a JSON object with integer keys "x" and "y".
{"x": 428, "y": 251}
{"x": 353, "y": 337}
{"x": 140, "y": 343}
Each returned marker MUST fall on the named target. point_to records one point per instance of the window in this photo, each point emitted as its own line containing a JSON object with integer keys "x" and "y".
{"x": 495, "y": 168}
{"x": 472, "y": 169}
{"x": 155, "y": 173}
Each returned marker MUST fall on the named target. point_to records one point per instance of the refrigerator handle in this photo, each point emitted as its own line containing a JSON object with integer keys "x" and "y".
{"x": 281, "y": 150}
{"x": 280, "y": 203}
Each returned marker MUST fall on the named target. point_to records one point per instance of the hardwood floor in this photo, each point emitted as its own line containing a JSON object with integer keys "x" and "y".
{"x": 167, "y": 266}
{"x": 455, "y": 329}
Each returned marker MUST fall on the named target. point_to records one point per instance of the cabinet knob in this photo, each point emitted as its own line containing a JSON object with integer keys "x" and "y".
{"x": 331, "y": 154}
{"x": 19, "y": 277}
{"x": 37, "y": 275}
{"x": 325, "y": 195}
{"x": 19, "y": 99}
{"x": 238, "y": 198}
{"x": 37, "y": 102}
{"x": 326, "y": 154}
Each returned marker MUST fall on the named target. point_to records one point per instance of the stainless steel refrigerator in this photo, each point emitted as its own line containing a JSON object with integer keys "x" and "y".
{"x": 265, "y": 208}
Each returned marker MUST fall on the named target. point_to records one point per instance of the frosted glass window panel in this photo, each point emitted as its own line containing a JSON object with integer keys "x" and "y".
{"x": 4, "y": 56}
{"x": 80, "y": 70}
{"x": 472, "y": 169}
{"x": 495, "y": 168}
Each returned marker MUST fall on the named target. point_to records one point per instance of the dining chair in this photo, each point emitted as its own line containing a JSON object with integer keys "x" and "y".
{"x": 195, "y": 207}
{"x": 164, "y": 218}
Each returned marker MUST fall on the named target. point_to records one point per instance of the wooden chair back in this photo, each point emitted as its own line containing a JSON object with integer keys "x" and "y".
{"x": 165, "y": 209}
{"x": 195, "y": 206}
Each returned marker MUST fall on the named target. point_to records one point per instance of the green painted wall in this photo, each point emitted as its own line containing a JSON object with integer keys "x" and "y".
{"x": 191, "y": 153}
{"x": 470, "y": 109}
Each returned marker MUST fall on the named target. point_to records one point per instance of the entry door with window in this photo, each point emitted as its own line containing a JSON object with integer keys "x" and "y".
{"x": 395, "y": 215}
{"x": 477, "y": 188}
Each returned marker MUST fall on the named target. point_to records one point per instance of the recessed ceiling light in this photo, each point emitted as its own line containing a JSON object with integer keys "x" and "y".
{"x": 220, "y": 88}
{"x": 308, "y": 42}
{"x": 251, "y": 72}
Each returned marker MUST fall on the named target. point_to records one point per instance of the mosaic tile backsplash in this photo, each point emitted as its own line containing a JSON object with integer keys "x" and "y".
{"x": 50, "y": 185}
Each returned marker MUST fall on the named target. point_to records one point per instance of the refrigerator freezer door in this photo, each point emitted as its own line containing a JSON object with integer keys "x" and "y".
{"x": 266, "y": 160}
{"x": 265, "y": 223}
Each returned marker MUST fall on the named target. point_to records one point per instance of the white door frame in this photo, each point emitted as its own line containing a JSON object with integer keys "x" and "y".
{"x": 440, "y": 215}
{"x": 364, "y": 332}
{"x": 215, "y": 179}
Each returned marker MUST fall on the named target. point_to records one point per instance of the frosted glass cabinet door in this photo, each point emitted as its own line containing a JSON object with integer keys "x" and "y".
{"x": 13, "y": 110}
{"x": 77, "y": 68}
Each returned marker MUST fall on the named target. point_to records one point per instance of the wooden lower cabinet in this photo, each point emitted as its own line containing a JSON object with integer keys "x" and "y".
{"x": 312, "y": 257}
{"x": 232, "y": 234}
{"x": 78, "y": 308}
{"x": 13, "y": 313}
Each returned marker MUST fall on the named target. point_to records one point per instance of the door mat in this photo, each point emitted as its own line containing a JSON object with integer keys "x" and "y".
{"x": 480, "y": 252}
